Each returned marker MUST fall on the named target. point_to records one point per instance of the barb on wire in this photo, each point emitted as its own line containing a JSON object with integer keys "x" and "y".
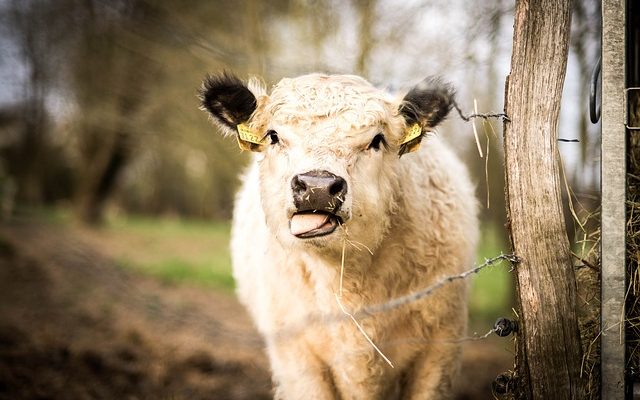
{"x": 475, "y": 337}
{"x": 469, "y": 117}
{"x": 410, "y": 298}
{"x": 286, "y": 333}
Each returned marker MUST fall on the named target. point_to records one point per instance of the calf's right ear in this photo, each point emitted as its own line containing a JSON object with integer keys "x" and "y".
{"x": 230, "y": 102}
{"x": 423, "y": 108}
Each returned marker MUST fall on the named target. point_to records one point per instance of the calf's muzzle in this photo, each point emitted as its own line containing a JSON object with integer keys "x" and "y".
{"x": 318, "y": 190}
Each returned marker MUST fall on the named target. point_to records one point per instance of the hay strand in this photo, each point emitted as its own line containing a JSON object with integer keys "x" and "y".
{"x": 475, "y": 130}
{"x": 339, "y": 296}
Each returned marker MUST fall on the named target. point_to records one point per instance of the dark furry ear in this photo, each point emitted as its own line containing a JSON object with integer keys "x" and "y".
{"x": 227, "y": 99}
{"x": 428, "y": 103}
{"x": 423, "y": 108}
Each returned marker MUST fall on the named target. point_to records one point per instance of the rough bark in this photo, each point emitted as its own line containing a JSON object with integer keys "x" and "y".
{"x": 549, "y": 353}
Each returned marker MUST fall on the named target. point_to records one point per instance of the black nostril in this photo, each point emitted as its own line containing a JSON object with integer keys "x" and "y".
{"x": 298, "y": 185}
{"x": 338, "y": 187}
{"x": 318, "y": 190}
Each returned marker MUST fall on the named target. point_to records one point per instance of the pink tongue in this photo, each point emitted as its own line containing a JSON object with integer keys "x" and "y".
{"x": 303, "y": 223}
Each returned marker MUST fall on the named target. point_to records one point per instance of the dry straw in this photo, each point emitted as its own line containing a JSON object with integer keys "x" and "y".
{"x": 339, "y": 294}
{"x": 632, "y": 300}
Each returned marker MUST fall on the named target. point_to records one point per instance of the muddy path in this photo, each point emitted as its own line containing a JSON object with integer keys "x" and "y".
{"x": 74, "y": 325}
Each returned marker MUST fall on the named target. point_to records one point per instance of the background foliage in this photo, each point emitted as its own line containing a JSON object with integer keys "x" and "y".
{"x": 99, "y": 111}
{"x": 101, "y": 138}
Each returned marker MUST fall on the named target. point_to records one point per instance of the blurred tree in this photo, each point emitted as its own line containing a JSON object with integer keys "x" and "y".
{"x": 26, "y": 21}
{"x": 109, "y": 76}
{"x": 110, "y": 87}
{"x": 484, "y": 86}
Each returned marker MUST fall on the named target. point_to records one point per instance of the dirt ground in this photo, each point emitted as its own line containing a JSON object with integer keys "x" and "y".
{"x": 73, "y": 325}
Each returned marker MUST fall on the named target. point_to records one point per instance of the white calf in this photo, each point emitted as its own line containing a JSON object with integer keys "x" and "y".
{"x": 327, "y": 181}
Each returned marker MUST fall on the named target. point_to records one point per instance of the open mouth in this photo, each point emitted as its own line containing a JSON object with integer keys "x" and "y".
{"x": 309, "y": 224}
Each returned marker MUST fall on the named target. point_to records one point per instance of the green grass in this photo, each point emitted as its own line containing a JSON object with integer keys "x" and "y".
{"x": 50, "y": 215}
{"x": 196, "y": 252}
{"x": 174, "y": 250}
{"x": 492, "y": 288}
{"x": 159, "y": 227}
{"x": 176, "y": 270}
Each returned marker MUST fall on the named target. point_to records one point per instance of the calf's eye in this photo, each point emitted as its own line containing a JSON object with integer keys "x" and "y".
{"x": 273, "y": 136}
{"x": 377, "y": 142}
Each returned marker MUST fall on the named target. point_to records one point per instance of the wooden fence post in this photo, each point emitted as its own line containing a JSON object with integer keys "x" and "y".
{"x": 548, "y": 344}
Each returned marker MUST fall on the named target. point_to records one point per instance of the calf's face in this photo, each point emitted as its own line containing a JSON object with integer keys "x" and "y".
{"x": 329, "y": 148}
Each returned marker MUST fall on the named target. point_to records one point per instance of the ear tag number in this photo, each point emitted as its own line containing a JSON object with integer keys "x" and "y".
{"x": 248, "y": 135}
{"x": 413, "y": 132}
{"x": 247, "y": 138}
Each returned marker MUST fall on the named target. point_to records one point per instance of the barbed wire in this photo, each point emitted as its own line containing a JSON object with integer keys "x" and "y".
{"x": 416, "y": 296}
{"x": 469, "y": 117}
{"x": 499, "y": 327}
{"x": 314, "y": 319}
{"x": 76, "y": 254}
{"x": 471, "y": 338}
{"x": 400, "y": 301}
{"x": 501, "y": 116}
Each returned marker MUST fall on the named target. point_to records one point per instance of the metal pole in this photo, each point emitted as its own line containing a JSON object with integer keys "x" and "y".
{"x": 613, "y": 198}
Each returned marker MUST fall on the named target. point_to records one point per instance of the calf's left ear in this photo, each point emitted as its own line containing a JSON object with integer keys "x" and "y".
{"x": 423, "y": 108}
{"x": 230, "y": 102}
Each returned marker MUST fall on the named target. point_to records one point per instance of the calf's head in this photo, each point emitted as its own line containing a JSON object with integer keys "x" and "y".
{"x": 328, "y": 149}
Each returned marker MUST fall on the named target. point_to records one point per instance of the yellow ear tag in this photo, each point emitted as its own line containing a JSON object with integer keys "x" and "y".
{"x": 409, "y": 143}
{"x": 413, "y": 132}
{"x": 248, "y": 135}
{"x": 247, "y": 138}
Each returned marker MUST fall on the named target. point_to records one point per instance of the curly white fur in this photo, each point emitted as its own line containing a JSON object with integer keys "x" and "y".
{"x": 417, "y": 214}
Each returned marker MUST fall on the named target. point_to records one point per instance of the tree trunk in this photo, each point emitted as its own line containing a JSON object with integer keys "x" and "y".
{"x": 548, "y": 344}
{"x": 110, "y": 140}
{"x": 103, "y": 182}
